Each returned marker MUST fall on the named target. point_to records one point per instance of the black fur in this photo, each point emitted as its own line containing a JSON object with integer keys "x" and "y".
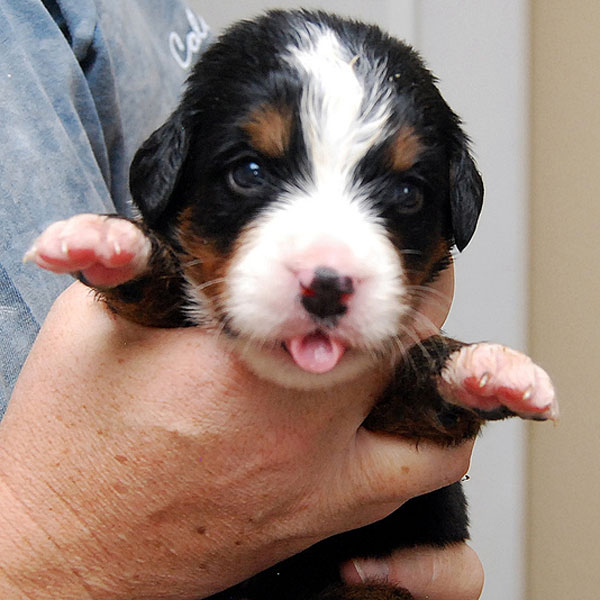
{"x": 184, "y": 162}
{"x": 156, "y": 168}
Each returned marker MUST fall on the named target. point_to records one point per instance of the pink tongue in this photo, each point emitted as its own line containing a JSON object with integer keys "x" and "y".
{"x": 315, "y": 352}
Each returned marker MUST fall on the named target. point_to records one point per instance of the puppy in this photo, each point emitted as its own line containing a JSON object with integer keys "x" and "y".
{"x": 300, "y": 201}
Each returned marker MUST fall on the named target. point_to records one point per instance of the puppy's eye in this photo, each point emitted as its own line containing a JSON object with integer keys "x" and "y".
{"x": 409, "y": 198}
{"x": 246, "y": 176}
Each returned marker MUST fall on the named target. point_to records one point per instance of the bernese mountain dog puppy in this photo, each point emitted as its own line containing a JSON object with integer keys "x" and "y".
{"x": 299, "y": 202}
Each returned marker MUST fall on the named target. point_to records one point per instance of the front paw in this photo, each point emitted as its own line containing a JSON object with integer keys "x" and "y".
{"x": 104, "y": 251}
{"x": 491, "y": 378}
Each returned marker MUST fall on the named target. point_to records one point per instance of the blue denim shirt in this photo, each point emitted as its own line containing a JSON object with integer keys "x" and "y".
{"x": 82, "y": 84}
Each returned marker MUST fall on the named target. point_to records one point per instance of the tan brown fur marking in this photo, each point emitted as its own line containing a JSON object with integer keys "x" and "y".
{"x": 425, "y": 265}
{"x": 438, "y": 254}
{"x": 405, "y": 149}
{"x": 270, "y": 129}
{"x": 202, "y": 263}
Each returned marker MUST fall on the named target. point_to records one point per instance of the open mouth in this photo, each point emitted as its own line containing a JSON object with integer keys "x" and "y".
{"x": 315, "y": 352}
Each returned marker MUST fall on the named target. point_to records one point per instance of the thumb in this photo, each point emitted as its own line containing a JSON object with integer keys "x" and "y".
{"x": 451, "y": 573}
{"x": 394, "y": 469}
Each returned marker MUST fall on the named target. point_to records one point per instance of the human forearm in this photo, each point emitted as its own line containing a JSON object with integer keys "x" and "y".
{"x": 39, "y": 535}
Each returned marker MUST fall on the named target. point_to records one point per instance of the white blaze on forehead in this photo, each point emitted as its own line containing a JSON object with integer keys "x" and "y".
{"x": 341, "y": 117}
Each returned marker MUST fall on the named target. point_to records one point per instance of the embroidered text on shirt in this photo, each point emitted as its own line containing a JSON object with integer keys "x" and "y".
{"x": 183, "y": 52}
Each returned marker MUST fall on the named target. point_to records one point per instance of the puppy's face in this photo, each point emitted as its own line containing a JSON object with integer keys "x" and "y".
{"x": 315, "y": 181}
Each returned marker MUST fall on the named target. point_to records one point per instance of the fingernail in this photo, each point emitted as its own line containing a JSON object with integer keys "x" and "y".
{"x": 372, "y": 570}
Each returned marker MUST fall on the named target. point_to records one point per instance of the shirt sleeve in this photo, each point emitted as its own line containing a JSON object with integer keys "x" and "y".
{"x": 82, "y": 84}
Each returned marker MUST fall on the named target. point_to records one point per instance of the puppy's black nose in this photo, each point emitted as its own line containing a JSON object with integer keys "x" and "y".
{"x": 327, "y": 294}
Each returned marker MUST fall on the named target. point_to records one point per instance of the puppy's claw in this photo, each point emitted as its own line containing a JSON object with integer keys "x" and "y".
{"x": 29, "y": 256}
{"x": 484, "y": 380}
{"x": 553, "y": 411}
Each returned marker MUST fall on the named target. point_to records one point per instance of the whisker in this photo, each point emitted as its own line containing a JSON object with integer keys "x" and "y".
{"x": 425, "y": 290}
{"x": 409, "y": 252}
{"x": 419, "y": 318}
{"x": 202, "y": 286}
{"x": 404, "y": 348}
{"x": 192, "y": 262}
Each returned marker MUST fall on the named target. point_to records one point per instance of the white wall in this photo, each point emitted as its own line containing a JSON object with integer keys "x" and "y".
{"x": 479, "y": 50}
{"x": 397, "y": 16}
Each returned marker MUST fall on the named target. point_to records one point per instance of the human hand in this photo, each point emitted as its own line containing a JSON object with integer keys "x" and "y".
{"x": 452, "y": 573}
{"x": 141, "y": 462}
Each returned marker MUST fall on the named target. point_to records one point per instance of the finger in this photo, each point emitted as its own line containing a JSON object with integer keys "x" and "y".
{"x": 392, "y": 470}
{"x": 451, "y": 573}
{"x": 436, "y": 304}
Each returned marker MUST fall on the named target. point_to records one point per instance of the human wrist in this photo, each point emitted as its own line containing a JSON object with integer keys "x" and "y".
{"x": 35, "y": 564}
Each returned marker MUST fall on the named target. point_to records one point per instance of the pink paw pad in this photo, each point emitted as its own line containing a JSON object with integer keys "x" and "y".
{"x": 490, "y": 376}
{"x": 107, "y": 251}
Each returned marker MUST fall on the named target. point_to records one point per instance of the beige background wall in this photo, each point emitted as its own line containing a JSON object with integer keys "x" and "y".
{"x": 564, "y": 499}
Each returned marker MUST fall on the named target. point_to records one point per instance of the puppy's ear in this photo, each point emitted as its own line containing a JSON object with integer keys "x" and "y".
{"x": 466, "y": 194}
{"x": 156, "y": 167}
